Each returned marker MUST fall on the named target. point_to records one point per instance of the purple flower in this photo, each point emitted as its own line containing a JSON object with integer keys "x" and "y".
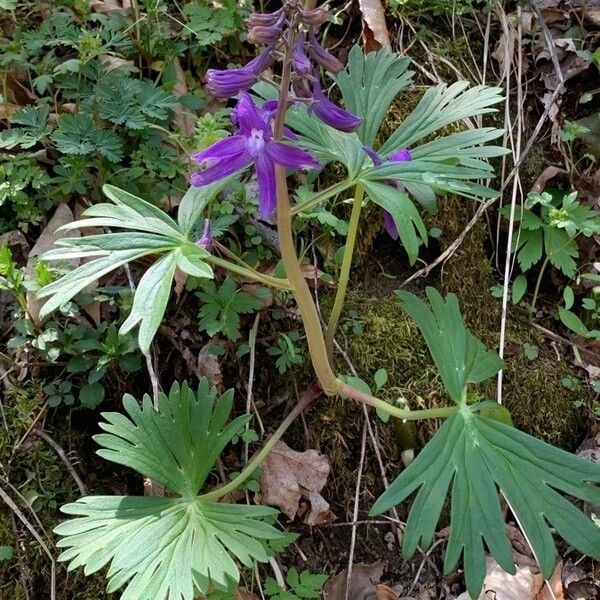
{"x": 330, "y": 113}
{"x": 268, "y": 31}
{"x": 300, "y": 61}
{"x": 206, "y": 241}
{"x": 402, "y": 155}
{"x": 321, "y": 56}
{"x": 253, "y": 143}
{"x": 230, "y": 82}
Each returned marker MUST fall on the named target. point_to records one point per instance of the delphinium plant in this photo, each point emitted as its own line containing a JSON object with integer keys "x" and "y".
{"x": 186, "y": 544}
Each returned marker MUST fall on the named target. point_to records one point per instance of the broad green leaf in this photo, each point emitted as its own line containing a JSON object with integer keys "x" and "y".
{"x": 530, "y": 247}
{"x": 69, "y": 285}
{"x": 191, "y": 261}
{"x": 519, "y": 287}
{"x": 411, "y": 228}
{"x": 476, "y": 458}
{"x": 573, "y": 322}
{"x": 458, "y": 355}
{"x": 194, "y": 202}
{"x": 369, "y": 85}
{"x": 178, "y": 547}
{"x": 150, "y": 300}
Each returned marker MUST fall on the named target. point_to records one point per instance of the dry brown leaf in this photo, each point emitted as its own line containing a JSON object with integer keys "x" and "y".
{"x": 375, "y": 31}
{"x": 244, "y": 594}
{"x": 288, "y": 476}
{"x": 179, "y": 277}
{"x": 362, "y": 585}
{"x": 182, "y": 117}
{"x": 384, "y": 592}
{"x": 112, "y": 62}
{"x": 209, "y": 366}
{"x": 555, "y": 583}
{"x": 547, "y": 174}
{"x": 108, "y": 6}
{"x": 46, "y": 241}
{"x": 7, "y": 109}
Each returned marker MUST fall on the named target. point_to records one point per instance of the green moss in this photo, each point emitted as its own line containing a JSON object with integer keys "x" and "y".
{"x": 32, "y": 467}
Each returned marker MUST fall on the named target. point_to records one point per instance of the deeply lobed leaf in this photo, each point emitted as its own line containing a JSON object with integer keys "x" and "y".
{"x": 477, "y": 457}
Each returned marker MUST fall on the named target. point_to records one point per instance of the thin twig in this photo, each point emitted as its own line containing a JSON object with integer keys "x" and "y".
{"x": 17, "y": 511}
{"x": 361, "y": 463}
{"x": 63, "y": 457}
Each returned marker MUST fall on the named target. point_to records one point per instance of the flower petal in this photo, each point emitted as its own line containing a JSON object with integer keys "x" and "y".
{"x": 330, "y": 113}
{"x": 322, "y": 56}
{"x": 372, "y": 155}
{"x": 390, "y": 225}
{"x": 248, "y": 116}
{"x": 222, "y": 169}
{"x": 267, "y": 193}
{"x": 402, "y": 155}
{"x": 221, "y": 150}
{"x": 290, "y": 156}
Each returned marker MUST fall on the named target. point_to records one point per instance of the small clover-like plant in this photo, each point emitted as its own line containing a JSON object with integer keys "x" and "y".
{"x": 478, "y": 455}
{"x": 167, "y": 547}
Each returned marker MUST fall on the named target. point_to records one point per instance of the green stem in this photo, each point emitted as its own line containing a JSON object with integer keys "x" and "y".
{"x": 340, "y": 295}
{"x": 333, "y": 190}
{"x": 275, "y": 282}
{"x": 537, "y": 285}
{"x": 311, "y": 394}
{"x": 396, "y": 411}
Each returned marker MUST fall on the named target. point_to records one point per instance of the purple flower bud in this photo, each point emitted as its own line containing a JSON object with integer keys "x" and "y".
{"x": 314, "y": 17}
{"x": 373, "y": 155}
{"x": 402, "y": 155}
{"x": 300, "y": 61}
{"x": 266, "y": 34}
{"x": 229, "y": 82}
{"x": 264, "y": 19}
{"x": 206, "y": 241}
{"x": 321, "y": 56}
{"x": 330, "y": 113}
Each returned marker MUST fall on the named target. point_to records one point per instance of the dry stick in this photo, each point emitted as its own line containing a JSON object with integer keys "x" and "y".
{"x": 509, "y": 260}
{"x": 63, "y": 457}
{"x": 420, "y": 569}
{"x": 17, "y": 511}
{"x": 361, "y": 463}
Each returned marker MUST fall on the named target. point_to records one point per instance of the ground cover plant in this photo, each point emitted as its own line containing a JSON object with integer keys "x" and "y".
{"x": 302, "y": 143}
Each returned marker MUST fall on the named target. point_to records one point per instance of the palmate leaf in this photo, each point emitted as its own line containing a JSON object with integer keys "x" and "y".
{"x": 150, "y": 231}
{"x": 459, "y": 356}
{"x": 440, "y": 106}
{"x": 477, "y": 457}
{"x": 369, "y": 85}
{"x": 173, "y": 548}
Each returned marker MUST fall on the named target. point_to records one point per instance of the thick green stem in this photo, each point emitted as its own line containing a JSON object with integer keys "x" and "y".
{"x": 340, "y": 295}
{"x": 311, "y": 394}
{"x": 275, "y": 282}
{"x": 332, "y": 190}
{"x": 538, "y": 282}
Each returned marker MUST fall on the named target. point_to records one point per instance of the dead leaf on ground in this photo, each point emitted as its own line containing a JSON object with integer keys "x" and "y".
{"x": 362, "y": 585}
{"x": 384, "y": 592}
{"x": 244, "y": 594}
{"x": 375, "y": 31}
{"x": 577, "y": 583}
{"x": 46, "y": 241}
{"x": 288, "y": 476}
{"x": 112, "y": 62}
{"x": 526, "y": 584}
{"x": 553, "y": 590}
{"x": 209, "y": 366}
{"x": 183, "y": 118}
{"x": 546, "y": 175}
{"x": 108, "y": 6}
